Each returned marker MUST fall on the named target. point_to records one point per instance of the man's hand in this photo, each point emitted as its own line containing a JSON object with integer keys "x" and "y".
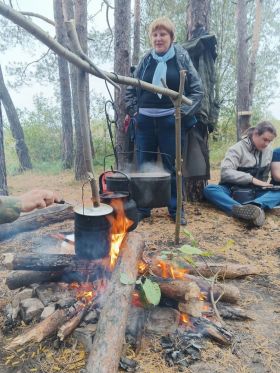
{"x": 260, "y": 183}
{"x": 38, "y": 198}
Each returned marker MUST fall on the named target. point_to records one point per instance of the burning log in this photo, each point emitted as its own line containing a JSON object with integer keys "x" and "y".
{"x": 224, "y": 270}
{"x": 107, "y": 347}
{"x": 40, "y": 331}
{"x": 37, "y": 219}
{"x": 52, "y": 262}
{"x": 18, "y": 279}
{"x": 177, "y": 289}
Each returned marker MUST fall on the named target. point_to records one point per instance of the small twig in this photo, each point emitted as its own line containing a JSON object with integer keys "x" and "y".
{"x": 213, "y": 301}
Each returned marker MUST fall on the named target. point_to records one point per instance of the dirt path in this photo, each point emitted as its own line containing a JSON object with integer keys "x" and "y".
{"x": 256, "y": 347}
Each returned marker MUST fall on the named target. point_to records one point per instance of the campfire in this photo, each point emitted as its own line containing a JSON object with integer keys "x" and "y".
{"x": 100, "y": 301}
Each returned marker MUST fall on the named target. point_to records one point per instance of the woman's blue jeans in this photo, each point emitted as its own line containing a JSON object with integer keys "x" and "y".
{"x": 220, "y": 196}
{"x": 153, "y": 134}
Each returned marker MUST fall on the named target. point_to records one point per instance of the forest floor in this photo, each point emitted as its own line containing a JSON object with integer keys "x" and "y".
{"x": 256, "y": 347}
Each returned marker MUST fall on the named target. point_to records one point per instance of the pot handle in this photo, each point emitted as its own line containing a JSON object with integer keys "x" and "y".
{"x": 102, "y": 182}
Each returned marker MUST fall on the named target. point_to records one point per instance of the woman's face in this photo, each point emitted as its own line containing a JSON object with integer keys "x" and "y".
{"x": 161, "y": 40}
{"x": 262, "y": 141}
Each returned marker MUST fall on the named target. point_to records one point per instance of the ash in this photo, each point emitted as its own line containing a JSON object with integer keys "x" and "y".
{"x": 183, "y": 348}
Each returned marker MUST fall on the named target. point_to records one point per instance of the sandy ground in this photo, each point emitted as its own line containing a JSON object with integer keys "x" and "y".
{"x": 256, "y": 347}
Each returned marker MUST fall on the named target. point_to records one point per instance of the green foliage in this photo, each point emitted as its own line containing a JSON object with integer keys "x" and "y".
{"x": 149, "y": 291}
{"x": 126, "y": 280}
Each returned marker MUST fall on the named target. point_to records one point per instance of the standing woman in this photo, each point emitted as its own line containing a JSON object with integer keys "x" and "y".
{"x": 155, "y": 121}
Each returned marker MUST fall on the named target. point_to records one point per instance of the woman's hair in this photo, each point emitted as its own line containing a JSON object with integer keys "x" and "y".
{"x": 162, "y": 22}
{"x": 262, "y": 127}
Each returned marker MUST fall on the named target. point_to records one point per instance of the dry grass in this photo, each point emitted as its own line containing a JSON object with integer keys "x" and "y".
{"x": 257, "y": 342}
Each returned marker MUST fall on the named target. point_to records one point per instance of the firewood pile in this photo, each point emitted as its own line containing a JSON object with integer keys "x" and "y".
{"x": 61, "y": 295}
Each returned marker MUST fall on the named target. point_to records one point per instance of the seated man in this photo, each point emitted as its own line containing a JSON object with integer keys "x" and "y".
{"x": 247, "y": 165}
{"x": 275, "y": 167}
{"x": 11, "y": 207}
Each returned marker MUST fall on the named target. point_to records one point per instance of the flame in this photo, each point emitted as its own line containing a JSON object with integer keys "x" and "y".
{"x": 142, "y": 267}
{"x": 171, "y": 271}
{"x": 120, "y": 225}
{"x": 184, "y": 318}
{"x": 84, "y": 292}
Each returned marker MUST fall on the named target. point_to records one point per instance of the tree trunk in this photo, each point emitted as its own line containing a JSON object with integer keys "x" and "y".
{"x": 65, "y": 91}
{"x": 3, "y": 174}
{"x": 122, "y": 66}
{"x": 242, "y": 99}
{"x": 80, "y": 164}
{"x": 16, "y": 129}
{"x": 81, "y": 27}
{"x": 198, "y": 17}
{"x": 254, "y": 51}
{"x": 136, "y": 33}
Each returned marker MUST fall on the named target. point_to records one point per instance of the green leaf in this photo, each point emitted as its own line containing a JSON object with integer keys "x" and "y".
{"x": 190, "y": 250}
{"x": 151, "y": 291}
{"x": 227, "y": 246}
{"x": 125, "y": 280}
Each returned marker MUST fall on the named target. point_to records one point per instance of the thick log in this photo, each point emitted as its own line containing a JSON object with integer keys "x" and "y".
{"x": 176, "y": 289}
{"x": 37, "y": 219}
{"x": 224, "y": 270}
{"x": 40, "y": 331}
{"x": 233, "y": 313}
{"x": 52, "y": 262}
{"x": 108, "y": 341}
{"x": 18, "y": 279}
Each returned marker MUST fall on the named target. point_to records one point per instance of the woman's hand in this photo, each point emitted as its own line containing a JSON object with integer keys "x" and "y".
{"x": 260, "y": 183}
{"x": 38, "y": 198}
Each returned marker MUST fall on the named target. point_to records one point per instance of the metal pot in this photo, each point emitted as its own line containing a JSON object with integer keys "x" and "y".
{"x": 148, "y": 189}
{"x": 92, "y": 231}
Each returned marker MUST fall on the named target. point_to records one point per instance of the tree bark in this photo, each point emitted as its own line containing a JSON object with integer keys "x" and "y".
{"x": 65, "y": 91}
{"x": 122, "y": 66}
{"x": 198, "y": 17}
{"x": 109, "y": 338}
{"x": 16, "y": 129}
{"x": 3, "y": 173}
{"x": 254, "y": 51}
{"x": 37, "y": 219}
{"x": 242, "y": 99}
{"x": 136, "y": 33}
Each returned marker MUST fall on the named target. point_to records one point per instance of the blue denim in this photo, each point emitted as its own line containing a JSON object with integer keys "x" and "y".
{"x": 154, "y": 133}
{"x": 220, "y": 196}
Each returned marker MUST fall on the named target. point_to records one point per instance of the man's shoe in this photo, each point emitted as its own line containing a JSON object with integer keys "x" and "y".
{"x": 252, "y": 213}
{"x": 183, "y": 220}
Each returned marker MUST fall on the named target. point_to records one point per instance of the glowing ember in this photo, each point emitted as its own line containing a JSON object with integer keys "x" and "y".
{"x": 136, "y": 299}
{"x": 120, "y": 224}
